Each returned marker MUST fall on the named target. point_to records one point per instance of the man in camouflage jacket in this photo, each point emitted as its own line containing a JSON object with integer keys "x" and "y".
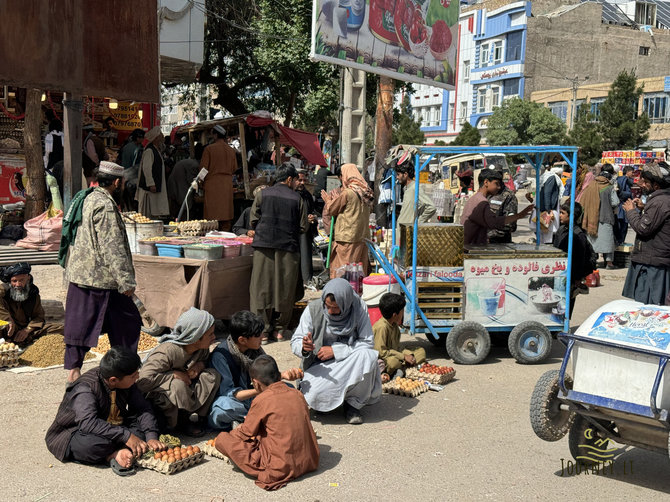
{"x": 100, "y": 271}
{"x": 503, "y": 203}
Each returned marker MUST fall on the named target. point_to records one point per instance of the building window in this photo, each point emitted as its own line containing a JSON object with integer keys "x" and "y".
{"x": 645, "y": 13}
{"x": 484, "y": 57}
{"x": 644, "y": 51}
{"x": 450, "y": 115}
{"x": 513, "y": 46}
{"x": 511, "y": 87}
{"x": 656, "y": 106}
{"x": 481, "y": 101}
{"x": 497, "y": 52}
{"x": 495, "y": 97}
{"x": 464, "y": 111}
{"x": 596, "y": 103}
{"x": 436, "y": 116}
{"x": 560, "y": 109}
{"x": 466, "y": 71}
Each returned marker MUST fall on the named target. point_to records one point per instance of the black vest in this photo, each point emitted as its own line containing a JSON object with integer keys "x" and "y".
{"x": 156, "y": 170}
{"x": 279, "y": 224}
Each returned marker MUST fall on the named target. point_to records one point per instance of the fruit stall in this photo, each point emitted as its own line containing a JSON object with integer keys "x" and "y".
{"x": 460, "y": 297}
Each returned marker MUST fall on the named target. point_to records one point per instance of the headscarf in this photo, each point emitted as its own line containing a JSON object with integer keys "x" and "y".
{"x": 352, "y": 178}
{"x": 351, "y": 306}
{"x": 190, "y": 327}
{"x": 20, "y": 268}
{"x": 588, "y": 179}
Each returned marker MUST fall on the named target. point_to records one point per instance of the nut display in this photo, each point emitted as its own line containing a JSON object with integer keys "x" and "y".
{"x": 137, "y": 217}
{"x": 47, "y": 351}
{"x": 146, "y": 342}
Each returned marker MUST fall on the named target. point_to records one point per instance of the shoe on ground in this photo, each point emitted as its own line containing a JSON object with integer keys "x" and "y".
{"x": 352, "y": 415}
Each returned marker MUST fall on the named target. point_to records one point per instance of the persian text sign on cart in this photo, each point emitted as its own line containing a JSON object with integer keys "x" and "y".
{"x": 413, "y": 40}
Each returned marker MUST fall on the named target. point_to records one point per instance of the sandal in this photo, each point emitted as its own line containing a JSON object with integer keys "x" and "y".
{"x": 121, "y": 471}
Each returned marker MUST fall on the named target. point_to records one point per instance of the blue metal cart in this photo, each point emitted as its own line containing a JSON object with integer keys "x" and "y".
{"x": 468, "y": 341}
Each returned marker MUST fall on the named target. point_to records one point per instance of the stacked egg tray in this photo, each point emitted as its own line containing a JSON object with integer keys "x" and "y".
{"x": 197, "y": 227}
{"x": 170, "y": 467}
{"x": 9, "y": 355}
{"x": 211, "y": 450}
{"x": 405, "y": 387}
{"x": 434, "y": 378}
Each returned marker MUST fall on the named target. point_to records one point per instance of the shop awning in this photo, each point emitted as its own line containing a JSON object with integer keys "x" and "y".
{"x": 307, "y": 143}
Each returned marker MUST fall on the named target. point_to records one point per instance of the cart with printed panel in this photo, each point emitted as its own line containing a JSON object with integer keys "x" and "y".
{"x": 612, "y": 385}
{"x": 459, "y": 298}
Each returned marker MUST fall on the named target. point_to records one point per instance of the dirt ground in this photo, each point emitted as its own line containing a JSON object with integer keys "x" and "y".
{"x": 472, "y": 441}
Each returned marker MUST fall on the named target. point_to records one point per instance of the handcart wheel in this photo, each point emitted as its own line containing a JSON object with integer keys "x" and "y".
{"x": 438, "y": 342}
{"x": 588, "y": 445}
{"x": 529, "y": 342}
{"x": 468, "y": 343}
{"x": 549, "y": 421}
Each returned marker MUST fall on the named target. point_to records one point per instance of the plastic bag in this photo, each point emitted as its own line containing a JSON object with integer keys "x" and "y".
{"x": 43, "y": 232}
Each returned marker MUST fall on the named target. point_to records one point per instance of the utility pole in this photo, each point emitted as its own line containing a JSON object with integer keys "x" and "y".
{"x": 575, "y": 85}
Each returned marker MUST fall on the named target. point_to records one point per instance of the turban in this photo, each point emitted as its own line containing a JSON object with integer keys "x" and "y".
{"x": 20, "y": 268}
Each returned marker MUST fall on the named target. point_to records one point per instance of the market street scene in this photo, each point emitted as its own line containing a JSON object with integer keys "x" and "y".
{"x": 334, "y": 249}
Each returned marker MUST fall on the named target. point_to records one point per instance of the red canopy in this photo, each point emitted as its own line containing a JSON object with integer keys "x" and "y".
{"x": 307, "y": 143}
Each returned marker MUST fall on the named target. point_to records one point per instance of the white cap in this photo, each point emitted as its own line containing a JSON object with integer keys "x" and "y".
{"x": 110, "y": 168}
{"x": 220, "y": 129}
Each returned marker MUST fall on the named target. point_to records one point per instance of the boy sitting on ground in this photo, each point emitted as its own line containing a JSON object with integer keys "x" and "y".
{"x": 276, "y": 443}
{"x": 232, "y": 360}
{"x": 387, "y": 338}
{"x": 104, "y": 418}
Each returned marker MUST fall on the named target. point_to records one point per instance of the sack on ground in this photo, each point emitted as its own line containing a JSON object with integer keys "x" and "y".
{"x": 43, "y": 232}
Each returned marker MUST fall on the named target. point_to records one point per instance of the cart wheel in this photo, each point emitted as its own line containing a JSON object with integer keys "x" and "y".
{"x": 588, "y": 445}
{"x": 549, "y": 422}
{"x": 468, "y": 343}
{"x": 529, "y": 342}
{"x": 438, "y": 342}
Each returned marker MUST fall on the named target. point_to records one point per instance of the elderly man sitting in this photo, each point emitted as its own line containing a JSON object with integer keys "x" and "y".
{"x": 21, "y": 307}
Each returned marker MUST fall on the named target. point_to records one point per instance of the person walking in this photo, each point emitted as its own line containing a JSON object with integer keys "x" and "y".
{"x": 220, "y": 161}
{"x": 352, "y": 226}
{"x": 152, "y": 199}
{"x": 278, "y": 217}
{"x": 599, "y": 201}
{"x": 99, "y": 269}
{"x": 648, "y": 278}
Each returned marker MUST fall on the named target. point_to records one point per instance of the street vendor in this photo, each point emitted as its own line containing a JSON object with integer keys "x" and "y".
{"x": 21, "y": 307}
{"x": 175, "y": 377}
{"x": 425, "y": 209}
{"x": 478, "y": 218}
{"x": 232, "y": 360}
{"x": 220, "y": 161}
{"x": 336, "y": 344}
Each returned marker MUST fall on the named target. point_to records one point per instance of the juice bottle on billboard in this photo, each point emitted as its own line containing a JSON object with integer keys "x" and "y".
{"x": 380, "y": 20}
{"x": 355, "y": 12}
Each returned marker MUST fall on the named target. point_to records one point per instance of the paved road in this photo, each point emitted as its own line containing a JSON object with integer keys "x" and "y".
{"x": 472, "y": 441}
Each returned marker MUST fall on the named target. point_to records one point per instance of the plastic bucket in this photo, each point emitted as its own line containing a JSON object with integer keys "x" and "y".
{"x": 374, "y": 286}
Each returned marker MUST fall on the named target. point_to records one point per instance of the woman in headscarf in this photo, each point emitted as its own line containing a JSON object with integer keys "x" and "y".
{"x": 174, "y": 376}
{"x": 352, "y": 208}
{"x": 581, "y": 250}
{"x": 335, "y": 341}
{"x": 599, "y": 201}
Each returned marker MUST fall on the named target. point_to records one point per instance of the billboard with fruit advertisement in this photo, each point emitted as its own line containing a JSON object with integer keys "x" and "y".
{"x": 412, "y": 40}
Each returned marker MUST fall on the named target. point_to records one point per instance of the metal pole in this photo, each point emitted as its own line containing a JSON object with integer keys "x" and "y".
{"x": 415, "y": 241}
{"x": 538, "y": 233}
{"x": 568, "y": 288}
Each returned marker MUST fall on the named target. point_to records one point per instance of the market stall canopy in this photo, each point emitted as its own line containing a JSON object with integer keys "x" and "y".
{"x": 82, "y": 47}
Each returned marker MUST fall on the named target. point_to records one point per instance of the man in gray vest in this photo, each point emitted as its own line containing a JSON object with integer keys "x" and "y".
{"x": 278, "y": 217}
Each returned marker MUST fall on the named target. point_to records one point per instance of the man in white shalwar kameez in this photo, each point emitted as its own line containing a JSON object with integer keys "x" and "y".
{"x": 336, "y": 343}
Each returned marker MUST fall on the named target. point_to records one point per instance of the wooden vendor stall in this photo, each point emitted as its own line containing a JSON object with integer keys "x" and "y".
{"x": 170, "y": 286}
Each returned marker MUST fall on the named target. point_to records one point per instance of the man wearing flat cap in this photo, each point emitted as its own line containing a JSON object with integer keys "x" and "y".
{"x": 648, "y": 279}
{"x": 21, "y": 307}
{"x": 99, "y": 268}
{"x": 220, "y": 161}
{"x": 152, "y": 198}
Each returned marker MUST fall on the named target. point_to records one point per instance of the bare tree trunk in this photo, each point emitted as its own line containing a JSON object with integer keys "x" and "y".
{"x": 36, "y": 185}
{"x": 383, "y": 132}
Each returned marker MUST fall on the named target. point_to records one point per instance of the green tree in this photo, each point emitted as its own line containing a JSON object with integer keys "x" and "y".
{"x": 622, "y": 126}
{"x": 406, "y": 130}
{"x": 469, "y": 136}
{"x": 521, "y": 122}
{"x": 586, "y": 135}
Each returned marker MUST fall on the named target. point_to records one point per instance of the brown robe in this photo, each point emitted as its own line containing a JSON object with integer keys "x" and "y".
{"x": 220, "y": 161}
{"x": 14, "y": 313}
{"x": 168, "y": 393}
{"x": 276, "y": 443}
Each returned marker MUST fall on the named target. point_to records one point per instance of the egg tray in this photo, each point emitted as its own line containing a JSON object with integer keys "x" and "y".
{"x": 213, "y": 452}
{"x": 415, "y": 374}
{"x": 197, "y": 227}
{"x": 9, "y": 358}
{"x": 167, "y": 468}
{"x": 393, "y": 388}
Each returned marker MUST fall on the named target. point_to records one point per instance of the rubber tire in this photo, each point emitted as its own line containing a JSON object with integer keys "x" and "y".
{"x": 549, "y": 422}
{"x": 438, "y": 342}
{"x": 576, "y": 437}
{"x": 521, "y": 334}
{"x": 460, "y": 334}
